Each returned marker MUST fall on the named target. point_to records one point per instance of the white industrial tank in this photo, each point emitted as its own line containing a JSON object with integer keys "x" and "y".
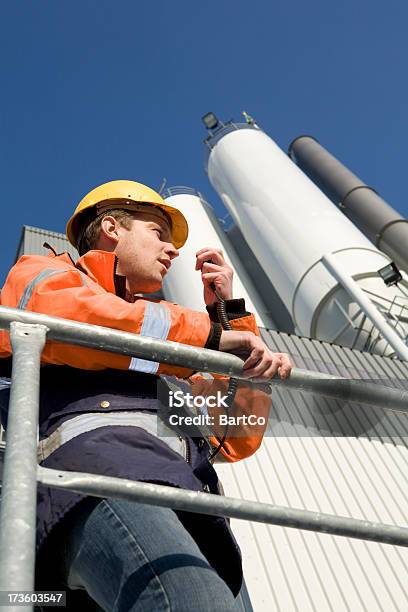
{"x": 290, "y": 226}
{"x": 183, "y": 283}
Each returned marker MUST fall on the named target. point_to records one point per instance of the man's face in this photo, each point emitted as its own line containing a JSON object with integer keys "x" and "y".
{"x": 145, "y": 252}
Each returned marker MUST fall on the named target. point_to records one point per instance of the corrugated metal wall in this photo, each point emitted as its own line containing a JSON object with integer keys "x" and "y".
{"x": 33, "y": 238}
{"x": 330, "y": 456}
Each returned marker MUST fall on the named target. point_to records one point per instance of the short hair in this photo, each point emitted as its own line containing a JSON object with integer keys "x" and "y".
{"x": 90, "y": 234}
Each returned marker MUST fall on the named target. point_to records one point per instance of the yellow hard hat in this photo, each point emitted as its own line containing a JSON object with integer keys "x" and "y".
{"x": 129, "y": 192}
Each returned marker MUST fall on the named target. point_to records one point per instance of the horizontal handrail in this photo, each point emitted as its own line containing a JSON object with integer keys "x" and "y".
{"x": 205, "y": 360}
{"x": 205, "y": 503}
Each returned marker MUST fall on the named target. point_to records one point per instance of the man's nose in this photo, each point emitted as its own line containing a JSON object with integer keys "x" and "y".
{"x": 171, "y": 250}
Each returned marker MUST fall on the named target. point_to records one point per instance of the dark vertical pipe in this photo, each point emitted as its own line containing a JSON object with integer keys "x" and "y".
{"x": 387, "y": 229}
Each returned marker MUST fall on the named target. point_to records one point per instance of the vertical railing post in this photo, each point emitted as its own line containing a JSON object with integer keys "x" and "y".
{"x": 19, "y": 490}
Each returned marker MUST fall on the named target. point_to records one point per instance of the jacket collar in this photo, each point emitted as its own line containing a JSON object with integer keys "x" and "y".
{"x": 100, "y": 266}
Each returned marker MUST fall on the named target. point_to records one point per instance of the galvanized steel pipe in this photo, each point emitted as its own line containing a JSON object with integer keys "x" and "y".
{"x": 205, "y": 503}
{"x": 19, "y": 490}
{"x": 204, "y": 360}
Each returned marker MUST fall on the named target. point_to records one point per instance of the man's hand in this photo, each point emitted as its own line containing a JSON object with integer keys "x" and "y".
{"x": 218, "y": 272}
{"x": 260, "y": 363}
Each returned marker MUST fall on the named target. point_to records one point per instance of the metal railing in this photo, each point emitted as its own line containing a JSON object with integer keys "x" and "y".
{"x": 226, "y": 221}
{"x": 180, "y": 190}
{"x": 220, "y": 132}
{"x": 371, "y": 311}
{"x": 224, "y": 129}
{"x": 29, "y": 332}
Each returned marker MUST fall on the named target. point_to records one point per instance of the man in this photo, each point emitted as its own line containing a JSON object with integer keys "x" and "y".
{"x": 98, "y": 411}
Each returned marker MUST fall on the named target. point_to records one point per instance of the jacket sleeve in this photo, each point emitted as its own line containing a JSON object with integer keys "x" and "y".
{"x": 64, "y": 291}
{"x": 250, "y": 410}
{"x": 247, "y": 418}
{"x": 240, "y": 319}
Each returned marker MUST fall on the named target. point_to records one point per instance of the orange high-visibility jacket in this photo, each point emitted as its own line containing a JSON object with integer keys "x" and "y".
{"x": 87, "y": 292}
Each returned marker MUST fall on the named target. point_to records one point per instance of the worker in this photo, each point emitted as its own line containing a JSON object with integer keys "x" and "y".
{"x": 98, "y": 410}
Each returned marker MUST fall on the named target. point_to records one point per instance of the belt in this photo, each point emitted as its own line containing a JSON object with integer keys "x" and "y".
{"x": 90, "y": 421}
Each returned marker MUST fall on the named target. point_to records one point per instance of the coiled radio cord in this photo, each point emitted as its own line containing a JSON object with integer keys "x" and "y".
{"x": 233, "y": 383}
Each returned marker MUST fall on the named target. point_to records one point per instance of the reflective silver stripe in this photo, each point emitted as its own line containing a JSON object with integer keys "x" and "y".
{"x": 31, "y": 286}
{"x": 5, "y": 383}
{"x": 82, "y": 278}
{"x": 205, "y": 375}
{"x": 91, "y": 421}
{"x": 156, "y": 324}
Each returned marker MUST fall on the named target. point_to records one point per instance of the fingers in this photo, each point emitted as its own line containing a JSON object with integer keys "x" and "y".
{"x": 215, "y": 272}
{"x": 265, "y": 368}
{"x": 208, "y": 253}
{"x": 286, "y": 367}
{"x": 212, "y": 267}
{"x": 254, "y": 358}
{"x": 262, "y": 364}
{"x": 219, "y": 278}
{"x": 210, "y": 278}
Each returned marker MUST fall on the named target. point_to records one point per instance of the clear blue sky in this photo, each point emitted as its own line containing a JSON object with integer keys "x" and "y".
{"x": 98, "y": 90}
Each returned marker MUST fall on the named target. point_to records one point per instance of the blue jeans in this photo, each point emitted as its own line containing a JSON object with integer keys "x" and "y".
{"x": 133, "y": 557}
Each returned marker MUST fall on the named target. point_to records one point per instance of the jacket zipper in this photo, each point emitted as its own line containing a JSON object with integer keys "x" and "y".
{"x": 187, "y": 457}
{"x": 187, "y": 452}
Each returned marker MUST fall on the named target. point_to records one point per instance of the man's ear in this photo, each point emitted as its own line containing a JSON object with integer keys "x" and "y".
{"x": 109, "y": 229}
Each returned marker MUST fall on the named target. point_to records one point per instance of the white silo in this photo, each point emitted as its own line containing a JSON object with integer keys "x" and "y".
{"x": 324, "y": 269}
{"x": 183, "y": 283}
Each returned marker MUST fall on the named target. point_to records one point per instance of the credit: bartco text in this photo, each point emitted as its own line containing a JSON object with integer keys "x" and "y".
{"x": 221, "y": 419}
